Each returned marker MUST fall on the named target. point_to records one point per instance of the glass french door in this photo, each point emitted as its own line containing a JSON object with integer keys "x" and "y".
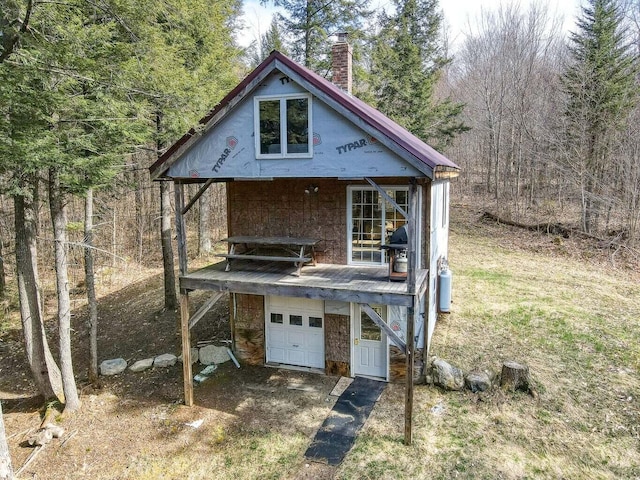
{"x": 372, "y": 221}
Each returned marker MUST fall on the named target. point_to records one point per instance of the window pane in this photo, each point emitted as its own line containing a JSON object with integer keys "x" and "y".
{"x": 298, "y": 125}
{"x": 367, "y": 232}
{"x": 368, "y": 329}
{"x": 393, "y": 218}
{"x": 315, "y": 322}
{"x": 276, "y": 318}
{"x": 295, "y": 320}
{"x": 270, "y": 126}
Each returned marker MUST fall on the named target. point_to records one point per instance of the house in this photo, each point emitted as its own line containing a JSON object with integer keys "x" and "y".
{"x": 317, "y": 181}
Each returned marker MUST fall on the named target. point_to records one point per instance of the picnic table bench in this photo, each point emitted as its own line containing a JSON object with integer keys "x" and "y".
{"x": 288, "y": 249}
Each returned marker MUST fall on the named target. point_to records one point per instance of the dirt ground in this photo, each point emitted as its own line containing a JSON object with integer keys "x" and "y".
{"x": 135, "y": 414}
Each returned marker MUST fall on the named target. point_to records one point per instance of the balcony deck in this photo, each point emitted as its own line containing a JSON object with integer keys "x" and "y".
{"x": 347, "y": 283}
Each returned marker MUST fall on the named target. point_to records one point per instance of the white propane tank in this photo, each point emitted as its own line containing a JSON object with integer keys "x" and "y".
{"x": 400, "y": 263}
{"x": 444, "y": 291}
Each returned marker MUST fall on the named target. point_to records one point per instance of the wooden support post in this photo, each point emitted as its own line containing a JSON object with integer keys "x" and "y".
{"x": 181, "y": 231}
{"x": 186, "y": 349}
{"x": 413, "y": 309}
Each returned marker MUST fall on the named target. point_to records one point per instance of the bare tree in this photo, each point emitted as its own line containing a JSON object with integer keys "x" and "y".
{"x": 506, "y": 74}
{"x": 204, "y": 224}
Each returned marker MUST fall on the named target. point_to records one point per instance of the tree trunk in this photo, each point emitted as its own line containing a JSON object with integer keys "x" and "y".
{"x": 515, "y": 377}
{"x": 59, "y": 220}
{"x": 43, "y": 367}
{"x": 91, "y": 288}
{"x": 204, "y": 225}
{"x": 6, "y": 471}
{"x": 170, "y": 295}
{"x": 139, "y": 216}
{"x": 3, "y": 285}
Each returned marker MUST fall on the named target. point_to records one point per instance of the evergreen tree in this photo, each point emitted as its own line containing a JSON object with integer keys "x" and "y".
{"x": 78, "y": 89}
{"x": 309, "y": 24}
{"x": 406, "y": 63}
{"x": 189, "y": 61}
{"x": 600, "y": 82}
{"x": 272, "y": 39}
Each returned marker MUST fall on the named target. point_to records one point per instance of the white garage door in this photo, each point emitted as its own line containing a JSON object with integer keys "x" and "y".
{"x": 295, "y": 331}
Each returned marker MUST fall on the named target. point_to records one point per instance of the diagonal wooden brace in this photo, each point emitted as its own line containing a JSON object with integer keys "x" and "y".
{"x": 373, "y": 315}
{"x": 204, "y": 309}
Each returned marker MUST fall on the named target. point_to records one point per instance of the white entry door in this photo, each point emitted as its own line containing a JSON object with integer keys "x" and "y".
{"x": 369, "y": 345}
{"x": 295, "y": 331}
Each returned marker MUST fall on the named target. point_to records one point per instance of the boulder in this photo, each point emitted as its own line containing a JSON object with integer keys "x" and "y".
{"x": 142, "y": 365}
{"x": 478, "y": 381}
{"x": 113, "y": 366}
{"x": 165, "y": 360}
{"x": 194, "y": 356}
{"x": 447, "y": 376}
{"x": 212, "y": 354}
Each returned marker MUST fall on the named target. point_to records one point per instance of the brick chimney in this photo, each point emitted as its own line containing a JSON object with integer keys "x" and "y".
{"x": 341, "y": 60}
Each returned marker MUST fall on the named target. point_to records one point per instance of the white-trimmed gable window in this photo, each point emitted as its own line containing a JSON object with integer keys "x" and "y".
{"x": 282, "y": 126}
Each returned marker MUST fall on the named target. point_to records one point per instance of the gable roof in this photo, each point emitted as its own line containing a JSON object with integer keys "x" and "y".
{"x": 409, "y": 147}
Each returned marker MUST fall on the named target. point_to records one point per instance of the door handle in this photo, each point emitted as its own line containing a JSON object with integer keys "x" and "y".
{"x": 356, "y": 341}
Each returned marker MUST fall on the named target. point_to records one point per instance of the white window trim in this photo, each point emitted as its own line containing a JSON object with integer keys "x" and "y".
{"x": 283, "y": 125}
{"x": 350, "y": 189}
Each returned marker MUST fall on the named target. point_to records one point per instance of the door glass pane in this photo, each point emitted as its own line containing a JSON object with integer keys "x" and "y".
{"x": 368, "y": 329}
{"x": 298, "y": 125}
{"x": 315, "y": 322}
{"x": 393, "y": 218}
{"x": 366, "y": 233}
{"x": 276, "y": 318}
{"x": 269, "y": 126}
{"x": 295, "y": 320}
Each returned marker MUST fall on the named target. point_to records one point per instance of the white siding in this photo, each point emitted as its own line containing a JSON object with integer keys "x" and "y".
{"x": 438, "y": 246}
{"x": 341, "y": 149}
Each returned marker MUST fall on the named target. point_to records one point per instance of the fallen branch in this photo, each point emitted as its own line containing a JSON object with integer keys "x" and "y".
{"x": 559, "y": 229}
{"x": 69, "y": 437}
{"x": 28, "y": 430}
{"x": 30, "y": 458}
{"x": 551, "y": 228}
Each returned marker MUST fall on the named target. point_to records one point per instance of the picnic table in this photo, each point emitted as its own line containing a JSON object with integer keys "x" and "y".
{"x": 272, "y": 249}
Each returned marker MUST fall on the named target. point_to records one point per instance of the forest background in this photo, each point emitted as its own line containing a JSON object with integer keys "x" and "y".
{"x": 544, "y": 125}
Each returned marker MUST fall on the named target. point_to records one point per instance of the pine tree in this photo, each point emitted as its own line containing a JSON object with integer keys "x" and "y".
{"x": 600, "y": 82}
{"x": 407, "y": 60}
{"x": 309, "y": 24}
{"x": 77, "y": 91}
{"x": 272, "y": 39}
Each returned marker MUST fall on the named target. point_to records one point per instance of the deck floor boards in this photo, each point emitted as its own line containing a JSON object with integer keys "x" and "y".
{"x": 357, "y": 283}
